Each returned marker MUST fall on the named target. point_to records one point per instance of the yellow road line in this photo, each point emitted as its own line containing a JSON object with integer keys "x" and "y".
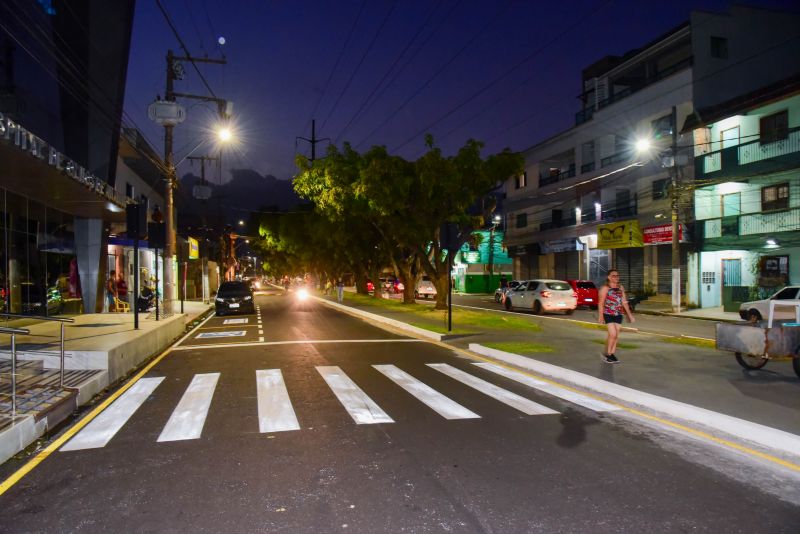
{"x": 667, "y": 422}
{"x": 69, "y": 433}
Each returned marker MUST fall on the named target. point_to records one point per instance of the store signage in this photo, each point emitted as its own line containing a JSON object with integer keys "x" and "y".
{"x": 662, "y": 233}
{"x": 194, "y": 249}
{"x": 473, "y": 256}
{"x": 561, "y": 245}
{"x": 16, "y": 135}
{"x": 620, "y": 234}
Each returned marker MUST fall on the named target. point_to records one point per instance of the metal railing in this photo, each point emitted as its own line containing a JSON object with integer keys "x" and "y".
{"x": 61, "y": 320}
{"x": 13, "y": 332}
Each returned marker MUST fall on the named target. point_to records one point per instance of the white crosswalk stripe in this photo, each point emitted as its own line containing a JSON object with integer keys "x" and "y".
{"x": 361, "y": 408}
{"x": 552, "y": 389}
{"x": 275, "y": 412}
{"x": 509, "y": 398}
{"x": 188, "y": 418}
{"x": 103, "y": 427}
{"x": 444, "y": 406}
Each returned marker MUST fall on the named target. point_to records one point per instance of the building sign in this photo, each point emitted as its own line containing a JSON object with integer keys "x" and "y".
{"x": 561, "y": 245}
{"x": 472, "y": 256}
{"x": 662, "y": 233}
{"x": 194, "y": 249}
{"x": 620, "y": 234}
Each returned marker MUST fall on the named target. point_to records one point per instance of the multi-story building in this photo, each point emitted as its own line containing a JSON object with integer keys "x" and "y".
{"x": 746, "y": 132}
{"x": 589, "y": 200}
{"x": 62, "y": 81}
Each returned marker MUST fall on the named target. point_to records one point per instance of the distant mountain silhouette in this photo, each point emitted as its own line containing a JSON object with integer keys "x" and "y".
{"x": 245, "y": 193}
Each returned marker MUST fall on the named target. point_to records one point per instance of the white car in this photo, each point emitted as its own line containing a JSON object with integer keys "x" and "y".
{"x": 543, "y": 295}
{"x": 425, "y": 288}
{"x": 759, "y": 309}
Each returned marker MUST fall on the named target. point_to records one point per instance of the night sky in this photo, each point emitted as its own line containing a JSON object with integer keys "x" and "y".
{"x": 504, "y": 72}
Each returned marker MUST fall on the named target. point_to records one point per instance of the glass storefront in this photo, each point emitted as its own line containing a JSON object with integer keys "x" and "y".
{"x": 38, "y": 267}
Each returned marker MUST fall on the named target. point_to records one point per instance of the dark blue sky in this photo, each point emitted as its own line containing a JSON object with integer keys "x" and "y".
{"x": 455, "y": 60}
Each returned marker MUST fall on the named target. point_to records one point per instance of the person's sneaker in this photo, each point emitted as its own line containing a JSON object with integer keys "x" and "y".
{"x": 610, "y": 358}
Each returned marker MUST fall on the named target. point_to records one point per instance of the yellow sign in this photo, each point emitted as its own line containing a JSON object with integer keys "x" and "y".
{"x": 194, "y": 249}
{"x": 620, "y": 234}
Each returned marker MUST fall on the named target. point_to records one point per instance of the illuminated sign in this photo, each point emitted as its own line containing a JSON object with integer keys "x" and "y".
{"x": 194, "y": 249}
{"x": 620, "y": 234}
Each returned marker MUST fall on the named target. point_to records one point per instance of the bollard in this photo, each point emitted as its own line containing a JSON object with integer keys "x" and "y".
{"x": 13, "y": 376}
{"x": 61, "y": 381}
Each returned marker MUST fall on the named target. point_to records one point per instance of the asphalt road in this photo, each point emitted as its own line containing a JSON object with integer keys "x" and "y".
{"x": 301, "y": 433}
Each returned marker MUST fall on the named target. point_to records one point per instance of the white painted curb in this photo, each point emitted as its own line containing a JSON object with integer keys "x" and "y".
{"x": 768, "y": 437}
{"x": 381, "y": 319}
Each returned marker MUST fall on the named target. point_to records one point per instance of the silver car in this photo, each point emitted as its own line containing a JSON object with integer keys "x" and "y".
{"x": 425, "y": 288}
{"x": 543, "y": 296}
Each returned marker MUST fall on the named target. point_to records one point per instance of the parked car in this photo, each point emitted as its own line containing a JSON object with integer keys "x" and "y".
{"x": 586, "y": 291}
{"x": 758, "y": 310}
{"x": 234, "y": 297}
{"x": 425, "y": 288}
{"x": 543, "y": 295}
{"x": 33, "y": 302}
{"x": 498, "y": 293}
{"x": 397, "y": 286}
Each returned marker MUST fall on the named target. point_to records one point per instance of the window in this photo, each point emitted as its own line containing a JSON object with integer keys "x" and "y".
{"x": 774, "y": 127}
{"x": 522, "y": 220}
{"x": 788, "y": 293}
{"x": 775, "y": 197}
{"x": 521, "y": 180}
{"x": 129, "y": 190}
{"x": 660, "y": 188}
{"x": 662, "y": 127}
{"x": 709, "y": 277}
{"x": 719, "y": 47}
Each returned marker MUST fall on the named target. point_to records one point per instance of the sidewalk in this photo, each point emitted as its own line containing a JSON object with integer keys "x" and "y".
{"x": 694, "y": 383}
{"x": 664, "y": 308}
{"x": 99, "y": 349}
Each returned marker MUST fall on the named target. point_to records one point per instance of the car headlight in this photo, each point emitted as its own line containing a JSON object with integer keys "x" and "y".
{"x": 248, "y": 297}
{"x": 302, "y": 294}
{"x": 220, "y": 300}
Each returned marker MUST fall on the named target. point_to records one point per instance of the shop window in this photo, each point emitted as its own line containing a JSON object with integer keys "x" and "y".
{"x": 775, "y": 197}
{"x": 522, "y": 220}
{"x": 774, "y": 127}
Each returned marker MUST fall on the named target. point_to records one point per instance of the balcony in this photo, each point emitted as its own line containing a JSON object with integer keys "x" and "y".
{"x": 619, "y": 212}
{"x": 587, "y": 167}
{"x": 771, "y": 223}
{"x": 558, "y": 224}
{"x": 615, "y": 158}
{"x": 552, "y": 177}
{"x": 753, "y": 157}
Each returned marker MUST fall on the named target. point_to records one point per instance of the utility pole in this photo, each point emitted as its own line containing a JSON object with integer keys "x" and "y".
{"x": 168, "y": 113}
{"x": 313, "y": 141}
{"x": 676, "y": 246}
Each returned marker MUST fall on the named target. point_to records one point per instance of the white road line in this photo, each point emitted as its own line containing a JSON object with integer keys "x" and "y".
{"x": 261, "y": 339}
{"x": 232, "y": 333}
{"x": 361, "y": 408}
{"x": 522, "y": 404}
{"x": 242, "y": 320}
{"x": 275, "y": 412}
{"x": 444, "y": 406}
{"x": 188, "y": 418}
{"x": 552, "y": 389}
{"x": 261, "y": 332}
{"x": 100, "y": 431}
{"x": 239, "y": 344}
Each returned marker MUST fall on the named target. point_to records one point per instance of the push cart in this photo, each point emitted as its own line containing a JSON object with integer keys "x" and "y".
{"x": 754, "y": 344}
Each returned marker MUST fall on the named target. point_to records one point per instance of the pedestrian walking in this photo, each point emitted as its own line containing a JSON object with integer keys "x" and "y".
{"x": 613, "y": 303}
{"x": 122, "y": 288}
{"x": 340, "y": 290}
{"x": 503, "y": 288}
{"x": 111, "y": 290}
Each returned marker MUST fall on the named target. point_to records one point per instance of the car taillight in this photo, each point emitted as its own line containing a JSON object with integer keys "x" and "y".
{"x": 546, "y": 294}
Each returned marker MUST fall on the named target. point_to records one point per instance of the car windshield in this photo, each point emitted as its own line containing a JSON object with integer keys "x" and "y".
{"x": 787, "y": 293}
{"x": 233, "y": 289}
{"x": 558, "y": 286}
{"x": 512, "y": 284}
{"x": 585, "y": 285}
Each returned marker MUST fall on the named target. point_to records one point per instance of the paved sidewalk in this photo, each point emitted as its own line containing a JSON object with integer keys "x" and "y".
{"x": 696, "y": 378}
{"x": 100, "y": 349}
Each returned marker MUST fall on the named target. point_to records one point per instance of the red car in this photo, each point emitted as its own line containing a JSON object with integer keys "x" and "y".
{"x": 586, "y": 291}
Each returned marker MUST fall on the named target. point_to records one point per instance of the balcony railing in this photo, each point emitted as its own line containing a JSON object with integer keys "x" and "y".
{"x": 619, "y": 212}
{"x": 731, "y": 158}
{"x": 770, "y": 222}
{"x": 551, "y": 178}
{"x": 614, "y": 158}
{"x": 587, "y": 167}
{"x": 558, "y": 224}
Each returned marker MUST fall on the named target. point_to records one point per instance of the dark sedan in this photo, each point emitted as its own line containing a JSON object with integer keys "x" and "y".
{"x": 234, "y": 297}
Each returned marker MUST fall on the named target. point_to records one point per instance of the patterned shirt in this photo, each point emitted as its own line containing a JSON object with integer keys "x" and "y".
{"x": 613, "y": 303}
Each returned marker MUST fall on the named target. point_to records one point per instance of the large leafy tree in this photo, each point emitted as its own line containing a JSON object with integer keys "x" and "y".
{"x": 405, "y": 203}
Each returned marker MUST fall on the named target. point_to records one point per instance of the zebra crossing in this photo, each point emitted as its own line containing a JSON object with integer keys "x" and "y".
{"x": 276, "y": 412}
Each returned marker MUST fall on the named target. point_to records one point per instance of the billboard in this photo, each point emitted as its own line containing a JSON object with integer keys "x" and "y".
{"x": 620, "y": 234}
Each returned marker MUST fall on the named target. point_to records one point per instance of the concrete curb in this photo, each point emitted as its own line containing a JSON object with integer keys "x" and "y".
{"x": 768, "y": 437}
{"x": 381, "y": 319}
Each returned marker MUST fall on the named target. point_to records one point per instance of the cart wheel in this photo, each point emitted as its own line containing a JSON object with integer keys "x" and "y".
{"x": 749, "y": 361}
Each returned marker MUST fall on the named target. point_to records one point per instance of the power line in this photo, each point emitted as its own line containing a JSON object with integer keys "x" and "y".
{"x": 361, "y": 61}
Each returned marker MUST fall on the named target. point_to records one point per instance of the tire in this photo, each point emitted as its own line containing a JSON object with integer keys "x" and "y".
{"x": 569, "y": 312}
{"x": 508, "y": 305}
{"x": 753, "y": 316}
{"x": 752, "y": 362}
{"x": 497, "y": 298}
{"x": 537, "y": 308}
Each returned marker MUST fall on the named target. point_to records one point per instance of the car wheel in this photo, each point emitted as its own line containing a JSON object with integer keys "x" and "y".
{"x": 753, "y": 316}
{"x": 749, "y": 361}
{"x": 537, "y": 307}
{"x": 509, "y": 306}
{"x": 497, "y": 298}
{"x": 569, "y": 312}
